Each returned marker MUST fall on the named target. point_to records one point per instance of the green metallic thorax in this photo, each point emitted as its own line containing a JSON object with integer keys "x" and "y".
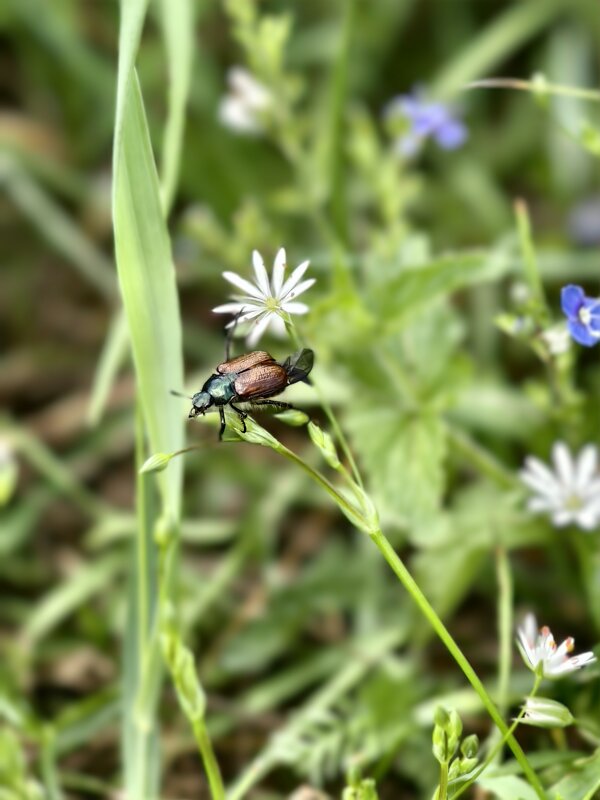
{"x": 221, "y": 388}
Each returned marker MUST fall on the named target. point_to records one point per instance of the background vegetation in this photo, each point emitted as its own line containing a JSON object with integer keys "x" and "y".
{"x": 239, "y": 594}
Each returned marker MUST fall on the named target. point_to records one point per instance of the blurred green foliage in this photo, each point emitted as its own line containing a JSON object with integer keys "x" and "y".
{"x": 428, "y": 327}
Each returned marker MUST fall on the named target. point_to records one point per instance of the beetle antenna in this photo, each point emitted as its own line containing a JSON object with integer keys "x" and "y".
{"x": 230, "y": 331}
{"x": 179, "y": 394}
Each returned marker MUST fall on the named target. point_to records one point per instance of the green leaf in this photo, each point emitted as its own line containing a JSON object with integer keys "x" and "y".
{"x": 508, "y": 787}
{"x": 492, "y": 407}
{"x": 66, "y": 597}
{"x": 582, "y": 782}
{"x": 417, "y": 286}
{"x": 403, "y": 455}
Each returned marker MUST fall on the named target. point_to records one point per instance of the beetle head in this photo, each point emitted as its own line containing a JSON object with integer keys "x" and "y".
{"x": 200, "y": 402}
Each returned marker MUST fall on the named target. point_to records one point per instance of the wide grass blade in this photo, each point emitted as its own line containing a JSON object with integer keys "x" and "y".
{"x": 149, "y": 291}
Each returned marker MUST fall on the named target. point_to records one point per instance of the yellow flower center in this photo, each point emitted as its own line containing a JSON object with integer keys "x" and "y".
{"x": 573, "y": 502}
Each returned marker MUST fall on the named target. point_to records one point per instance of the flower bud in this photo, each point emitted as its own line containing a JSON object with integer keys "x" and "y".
{"x": 183, "y": 671}
{"x": 324, "y": 442}
{"x": 446, "y": 734}
{"x": 470, "y": 746}
{"x": 545, "y": 713}
{"x": 293, "y": 416}
{"x": 165, "y": 531}
{"x": 157, "y": 462}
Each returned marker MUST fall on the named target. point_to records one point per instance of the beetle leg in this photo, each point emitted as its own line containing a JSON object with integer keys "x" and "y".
{"x": 242, "y": 415}
{"x": 222, "y": 429}
{"x": 278, "y": 403}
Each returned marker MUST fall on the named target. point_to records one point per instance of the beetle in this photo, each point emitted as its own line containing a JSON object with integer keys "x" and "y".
{"x": 251, "y": 378}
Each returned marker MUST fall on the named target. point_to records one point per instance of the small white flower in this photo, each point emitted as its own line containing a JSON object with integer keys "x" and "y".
{"x": 545, "y": 713}
{"x": 558, "y": 339}
{"x": 570, "y": 493}
{"x": 243, "y": 109}
{"x": 542, "y": 655}
{"x": 264, "y": 303}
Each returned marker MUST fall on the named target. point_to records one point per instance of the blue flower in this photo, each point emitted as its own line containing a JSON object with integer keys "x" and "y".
{"x": 426, "y": 120}
{"x": 583, "y": 315}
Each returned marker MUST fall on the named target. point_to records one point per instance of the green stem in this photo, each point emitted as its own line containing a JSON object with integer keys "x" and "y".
{"x": 505, "y": 625}
{"x": 356, "y": 515}
{"x": 213, "y": 773}
{"x": 48, "y": 766}
{"x": 139, "y": 718}
{"x": 429, "y": 613}
{"x": 442, "y": 791}
{"x": 259, "y": 769}
{"x": 503, "y": 36}
{"x": 537, "y": 87}
{"x": 339, "y": 434}
{"x": 341, "y": 501}
{"x": 532, "y": 273}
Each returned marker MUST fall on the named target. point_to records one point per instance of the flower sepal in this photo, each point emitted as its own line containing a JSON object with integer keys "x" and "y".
{"x": 542, "y": 712}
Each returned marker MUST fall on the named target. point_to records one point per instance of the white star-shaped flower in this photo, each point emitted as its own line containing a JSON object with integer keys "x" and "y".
{"x": 571, "y": 492}
{"x": 248, "y": 101}
{"x": 264, "y": 303}
{"x": 541, "y": 653}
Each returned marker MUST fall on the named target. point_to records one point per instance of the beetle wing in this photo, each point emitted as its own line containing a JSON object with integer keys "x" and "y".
{"x": 298, "y": 366}
{"x": 264, "y": 380}
{"x": 246, "y": 361}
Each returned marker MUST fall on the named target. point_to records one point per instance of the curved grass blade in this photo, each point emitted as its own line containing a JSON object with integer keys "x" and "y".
{"x": 147, "y": 281}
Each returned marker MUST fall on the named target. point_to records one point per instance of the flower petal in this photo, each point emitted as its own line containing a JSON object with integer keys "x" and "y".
{"x": 539, "y": 477}
{"x": 243, "y": 284}
{"x": 245, "y": 317}
{"x": 563, "y": 462}
{"x": 262, "y": 279}
{"x": 585, "y": 467}
{"x": 563, "y": 517}
{"x": 298, "y": 290}
{"x": 238, "y": 116}
{"x": 278, "y": 272}
{"x": 571, "y": 299}
{"x": 539, "y": 503}
{"x": 295, "y": 308}
{"x": 587, "y": 519}
{"x": 292, "y": 281}
{"x": 408, "y": 145}
{"x": 258, "y": 329}
{"x": 527, "y": 635}
{"x": 581, "y": 334}
{"x": 451, "y": 135}
{"x": 582, "y": 659}
{"x": 228, "y": 308}
{"x": 278, "y": 326}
